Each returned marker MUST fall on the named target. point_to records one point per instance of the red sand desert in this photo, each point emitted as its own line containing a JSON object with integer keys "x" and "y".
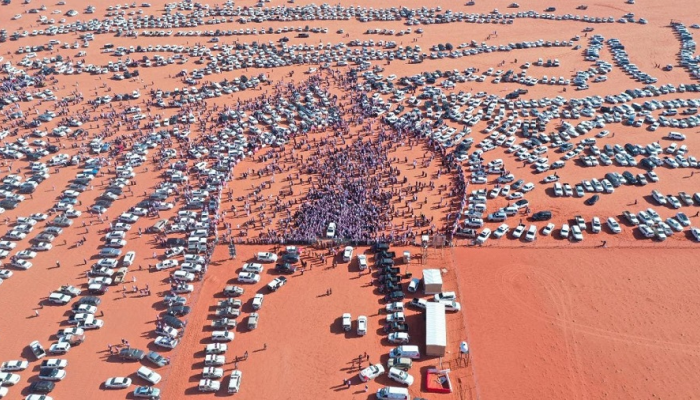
{"x": 613, "y": 316}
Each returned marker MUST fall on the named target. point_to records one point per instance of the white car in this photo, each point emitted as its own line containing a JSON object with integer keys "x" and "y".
{"x": 253, "y": 267}
{"x": 216, "y": 348}
{"x": 531, "y": 233}
{"x": 8, "y": 379}
{"x": 183, "y": 276}
{"x": 148, "y": 375}
{"x": 208, "y": 385}
{"x": 613, "y": 225}
{"x": 5, "y": 274}
{"x": 371, "y": 372}
{"x": 214, "y": 360}
{"x": 248, "y": 277}
{"x": 118, "y": 383}
{"x": 258, "y": 301}
{"x": 116, "y": 243}
{"x": 72, "y": 213}
{"x": 399, "y": 337}
{"x": 445, "y": 296}
{"x": 266, "y": 257}
{"x": 362, "y": 262}
{"x": 394, "y": 307}
{"x": 576, "y": 233}
{"x": 501, "y": 231}
{"x": 84, "y": 308}
{"x": 222, "y": 336}
{"x": 41, "y": 246}
{"x": 115, "y": 235}
{"x": 14, "y": 365}
{"x": 547, "y": 230}
{"x": 39, "y": 217}
{"x": 54, "y": 363}
{"x": 330, "y": 231}
{"x": 451, "y": 305}
{"x": 128, "y": 218}
{"x": 483, "y": 236}
{"x": 59, "y": 348}
{"x": 595, "y": 225}
{"x": 167, "y": 264}
{"x": 26, "y": 254}
{"x": 564, "y": 232}
{"x": 361, "y": 325}
{"x": 212, "y": 372}
{"x": 21, "y": 264}
{"x": 166, "y": 342}
{"x": 401, "y": 376}
{"x": 7, "y": 245}
{"x": 518, "y": 231}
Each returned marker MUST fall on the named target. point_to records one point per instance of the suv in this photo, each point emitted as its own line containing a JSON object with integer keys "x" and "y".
{"x": 542, "y": 216}
{"x": 402, "y": 363}
{"x": 148, "y": 375}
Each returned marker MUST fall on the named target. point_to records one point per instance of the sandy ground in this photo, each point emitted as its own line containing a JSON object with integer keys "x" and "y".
{"x": 615, "y": 323}
{"x": 542, "y": 323}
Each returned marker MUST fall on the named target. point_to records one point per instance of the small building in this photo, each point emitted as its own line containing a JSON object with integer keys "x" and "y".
{"x": 432, "y": 281}
{"x": 435, "y": 329}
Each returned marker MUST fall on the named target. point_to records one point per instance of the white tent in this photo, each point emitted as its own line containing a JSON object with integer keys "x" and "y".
{"x": 435, "y": 329}
{"x": 432, "y": 281}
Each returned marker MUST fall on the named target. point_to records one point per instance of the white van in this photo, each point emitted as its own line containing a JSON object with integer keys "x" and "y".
{"x": 393, "y": 393}
{"x": 234, "y": 384}
{"x": 409, "y": 351}
{"x": 347, "y": 254}
{"x": 361, "y": 325}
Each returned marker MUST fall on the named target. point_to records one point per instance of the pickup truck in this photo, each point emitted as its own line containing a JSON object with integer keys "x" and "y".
{"x": 391, "y": 270}
{"x": 276, "y": 283}
{"x": 396, "y": 327}
{"x": 233, "y": 303}
{"x": 389, "y": 287}
{"x": 386, "y": 254}
{"x": 224, "y": 323}
{"x": 228, "y": 312}
{"x": 466, "y": 233}
{"x": 389, "y": 278}
{"x": 37, "y": 349}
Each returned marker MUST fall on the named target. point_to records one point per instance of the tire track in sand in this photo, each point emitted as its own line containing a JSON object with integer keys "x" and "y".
{"x": 561, "y": 300}
{"x": 508, "y": 276}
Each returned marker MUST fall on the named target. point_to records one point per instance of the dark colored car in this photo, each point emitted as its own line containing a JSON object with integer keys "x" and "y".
{"x": 396, "y": 327}
{"x": 390, "y": 270}
{"x": 285, "y": 268}
{"x": 41, "y": 387}
{"x": 381, "y": 246}
{"x": 591, "y": 201}
{"x": 9, "y": 204}
{"x": 131, "y": 354}
{"x": 172, "y": 321}
{"x": 175, "y": 242}
{"x": 630, "y": 178}
{"x": 397, "y": 295}
{"x": 178, "y": 311}
{"x": 389, "y": 278}
{"x": 157, "y": 359}
{"x": 613, "y": 179}
{"x": 542, "y": 216}
{"x": 91, "y": 300}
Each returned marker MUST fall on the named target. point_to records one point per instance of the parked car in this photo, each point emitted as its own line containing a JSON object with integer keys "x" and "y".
{"x": 371, "y": 372}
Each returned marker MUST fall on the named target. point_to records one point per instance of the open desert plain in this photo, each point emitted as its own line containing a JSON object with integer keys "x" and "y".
{"x": 242, "y": 199}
